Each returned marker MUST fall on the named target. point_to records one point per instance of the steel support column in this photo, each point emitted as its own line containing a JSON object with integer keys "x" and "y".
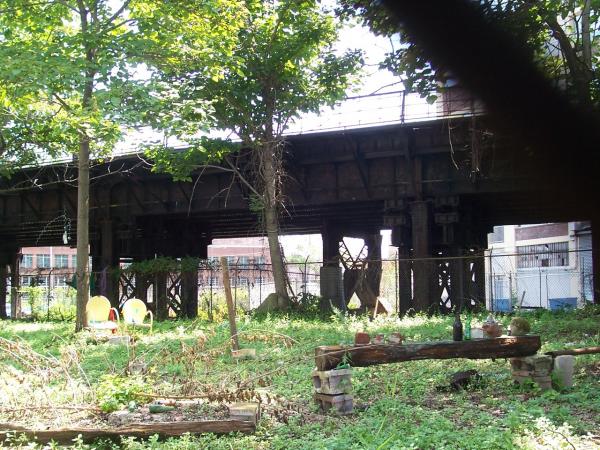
{"x": 422, "y": 269}
{"x": 107, "y": 282}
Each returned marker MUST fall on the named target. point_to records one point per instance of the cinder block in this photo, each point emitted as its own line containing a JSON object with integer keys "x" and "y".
{"x": 243, "y": 353}
{"x": 341, "y": 404}
{"x": 245, "y": 411}
{"x": 536, "y": 368}
{"x": 332, "y": 382}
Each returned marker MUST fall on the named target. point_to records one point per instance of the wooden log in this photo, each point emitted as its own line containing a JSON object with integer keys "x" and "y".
{"x": 574, "y": 351}
{"x": 328, "y": 357}
{"x": 139, "y": 430}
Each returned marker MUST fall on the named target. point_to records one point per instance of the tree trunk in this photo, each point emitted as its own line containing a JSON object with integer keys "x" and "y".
{"x": 270, "y": 179}
{"x": 83, "y": 215}
{"x": 83, "y": 181}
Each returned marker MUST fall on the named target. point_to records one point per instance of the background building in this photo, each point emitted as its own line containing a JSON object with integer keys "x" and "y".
{"x": 539, "y": 266}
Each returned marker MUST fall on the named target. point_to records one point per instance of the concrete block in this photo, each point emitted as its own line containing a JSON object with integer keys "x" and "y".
{"x": 341, "y": 404}
{"x": 332, "y": 382}
{"x": 119, "y": 340}
{"x": 245, "y": 411}
{"x": 243, "y": 353}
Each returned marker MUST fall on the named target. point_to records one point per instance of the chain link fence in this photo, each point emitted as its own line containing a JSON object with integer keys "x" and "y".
{"x": 529, "y": 280}
{"x": 496, "y": 282}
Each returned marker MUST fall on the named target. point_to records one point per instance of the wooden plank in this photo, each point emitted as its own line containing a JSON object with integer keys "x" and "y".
{"x": 575, "y": 351}
{"x": 139, "y": 430}
{"x": 328, "y": 357}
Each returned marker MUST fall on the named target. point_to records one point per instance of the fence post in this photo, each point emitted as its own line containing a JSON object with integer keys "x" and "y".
{"x": 230, "y": 308}
{"x": 491, "y": 283}
{"x": 396, "y": 282}
{"x": 48, "y": 290}
{"x": 540, "y": 279}
{"x": 210, "y": 301}
{"x": 510, "y": 291}
{"x": 259, "y": 285}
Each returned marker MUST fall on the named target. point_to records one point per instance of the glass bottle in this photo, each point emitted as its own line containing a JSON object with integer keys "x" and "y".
{"x": 457, "y": 328}
{"x": 468, "y": 327}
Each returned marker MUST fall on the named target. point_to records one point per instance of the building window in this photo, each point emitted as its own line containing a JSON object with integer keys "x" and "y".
{"x": 554, "y": 254}
{"x": 60, "y": 280}
{"x": 499, "y": 286}
{"x": 27, "y": 261}
{"x": 61, "y": 261}
{"x": 73, "y": 260}
{"x": 242, "y": 281}
{"x": 243, "y": 261}
{"x": 260, "y": 261}
{"x": 28, "y": 280}
{"x": 43, "y": 261}
{"x": 231, "y": 260}
{"x": 497, "y": 235}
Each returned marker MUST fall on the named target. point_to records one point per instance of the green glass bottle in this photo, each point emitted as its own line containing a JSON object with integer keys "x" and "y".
{"x": 467, "y": 331}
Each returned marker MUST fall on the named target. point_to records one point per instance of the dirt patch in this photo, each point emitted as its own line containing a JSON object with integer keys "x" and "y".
{"x": 182, "y": 411}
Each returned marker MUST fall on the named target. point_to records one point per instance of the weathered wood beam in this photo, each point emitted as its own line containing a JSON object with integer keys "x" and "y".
{"x": 328, "y": 357}
{"x": 139, "y": 430}
{"x": 574, "y": 351}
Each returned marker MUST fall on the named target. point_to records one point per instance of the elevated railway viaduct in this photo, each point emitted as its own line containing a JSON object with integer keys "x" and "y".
{"x": 439, "y": 185}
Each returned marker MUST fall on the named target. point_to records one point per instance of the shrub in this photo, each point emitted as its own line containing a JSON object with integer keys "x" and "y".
{"x": 115, "y": 392}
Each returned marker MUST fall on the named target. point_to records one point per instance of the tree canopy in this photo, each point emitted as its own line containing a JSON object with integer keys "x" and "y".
{"x": 283, "y": 63}
{"x": 560, "y": 35}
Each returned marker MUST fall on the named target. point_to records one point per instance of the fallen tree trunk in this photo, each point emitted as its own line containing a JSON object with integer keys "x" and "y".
{"x": 139, "y": 430}
{"x": 574, "y": 351}
{"x": 328, "y": 357}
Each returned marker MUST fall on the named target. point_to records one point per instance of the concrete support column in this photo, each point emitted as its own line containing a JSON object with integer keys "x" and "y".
{"x": 160, "y": 296}
{"x": 401, "y": 240}
{"x": 477, "y": 292}
{"x": 422, "y": 270}
{"x": 107, "y": 282}
{"x": 189, "y": 293}
{"x": 15, "y": 282}
{"x": 141, "y": 287}
{"x": 332, "y": 284}
{"x": 96, "y": 269}
{"x": 332, "y": 287}
{"x": 458, "y": 279}
{"x": 3, "y": 287}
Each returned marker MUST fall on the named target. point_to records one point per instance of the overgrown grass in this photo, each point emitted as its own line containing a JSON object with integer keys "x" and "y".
{"x": 397, "y": 405}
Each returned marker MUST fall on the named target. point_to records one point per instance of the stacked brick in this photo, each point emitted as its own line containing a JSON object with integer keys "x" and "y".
{"x": 333, "y": 390}
{"x": 536, "y": 368}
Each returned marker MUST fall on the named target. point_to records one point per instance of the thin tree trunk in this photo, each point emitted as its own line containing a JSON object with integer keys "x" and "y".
{"x": 269, "y": 170}
{"x": 83, "y": 196}
{"x": 83, "y": 182}
{"x": 586, "y": 36}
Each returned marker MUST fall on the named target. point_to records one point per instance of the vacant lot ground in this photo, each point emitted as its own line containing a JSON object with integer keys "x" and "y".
{"x": 51, "y": 377}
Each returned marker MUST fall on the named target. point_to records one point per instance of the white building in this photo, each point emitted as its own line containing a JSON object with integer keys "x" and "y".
{"x": 539, "y": 266}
